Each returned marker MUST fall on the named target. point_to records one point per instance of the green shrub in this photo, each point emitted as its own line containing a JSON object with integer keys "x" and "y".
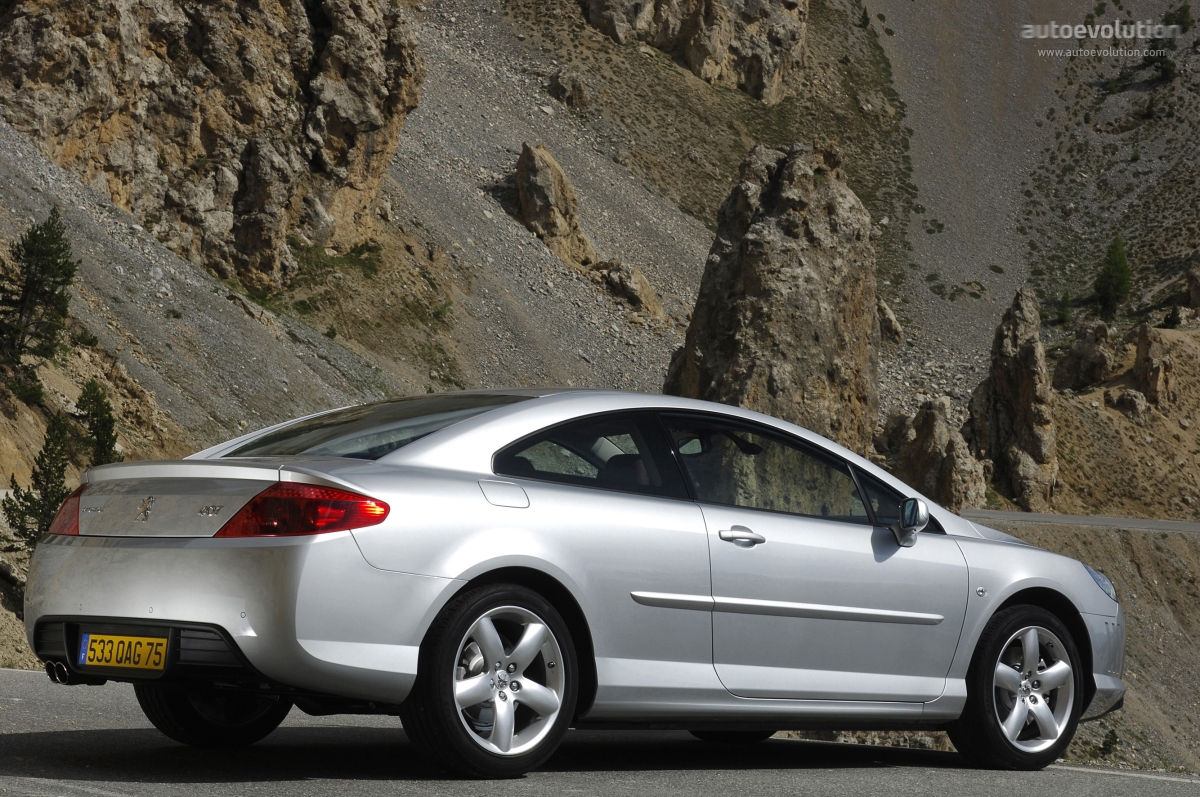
{"x": 1173, "y": 318}
{"x": 84, "y": 339}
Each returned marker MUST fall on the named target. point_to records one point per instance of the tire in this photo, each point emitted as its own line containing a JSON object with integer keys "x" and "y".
{"x": 537, "y": 664}
{"x": 733, "y": 737}
{"x": 211, "y": 717}
{"x": 1008, "y": 723}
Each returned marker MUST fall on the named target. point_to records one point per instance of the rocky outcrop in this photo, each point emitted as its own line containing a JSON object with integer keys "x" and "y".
{"x": 752, "y": 45}
{"x": 889, "y": 327}
{"x": 785, "y": 322}
{"x": 1090, "y": 359}
{"x": 549, "y": 207}
{"x": 550, "y": 210}
{"x": 225, "y": 126}
{"x": 1193, "y": 286}
{"x": 1010, "y": 423}
{"x": 1153, "y": 366}
{"x": 928, "y": 453}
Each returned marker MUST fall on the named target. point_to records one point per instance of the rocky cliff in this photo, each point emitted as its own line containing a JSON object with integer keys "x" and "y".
{"x": 752, "y": 45}
{"x": 223, "y": 126}
{"x": 786, "y": 319}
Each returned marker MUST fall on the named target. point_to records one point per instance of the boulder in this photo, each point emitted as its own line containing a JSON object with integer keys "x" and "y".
{"x": 549, "y": 207}
{"x": 1010, "y": 420}
{"x": 1130, "y": 403}
{"x": 1090, "y": 359}
{"x": 786, "y": 321}
{"x": 1193, "y": 286}
{"x": 568, "y": 85}
{"x": 752, "y": 45}
{"x": 929, "y": 454}
{"x": 1153, "y": 366}
{"x": 223, "y": 126}
{"x": 628, "y": 282}
{"x": 889, "y": 327}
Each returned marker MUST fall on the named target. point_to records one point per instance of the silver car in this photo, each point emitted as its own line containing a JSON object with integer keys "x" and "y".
{"x": 496, "y": 567}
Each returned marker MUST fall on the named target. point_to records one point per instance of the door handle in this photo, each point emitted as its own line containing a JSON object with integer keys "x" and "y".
{"x": 741, "y": 536}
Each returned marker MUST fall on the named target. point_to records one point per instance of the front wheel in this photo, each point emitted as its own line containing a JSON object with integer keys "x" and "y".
{"x": 496, "y": 684}
{"x": 211, "y": 717}
{"x": 1024, "y": 692}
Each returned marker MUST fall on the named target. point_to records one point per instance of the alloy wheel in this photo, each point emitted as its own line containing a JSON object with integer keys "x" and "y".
{"x": 1034, "y": 686}
{"x": 508, "y": 680}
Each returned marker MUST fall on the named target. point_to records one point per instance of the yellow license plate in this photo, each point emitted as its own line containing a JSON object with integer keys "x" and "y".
{"x": 126, "y": 652}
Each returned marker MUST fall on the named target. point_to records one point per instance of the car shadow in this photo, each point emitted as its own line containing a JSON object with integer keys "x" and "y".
{"x": 357, "y": 753}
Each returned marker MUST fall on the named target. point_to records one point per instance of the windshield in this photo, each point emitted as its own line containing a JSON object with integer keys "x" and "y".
{"x": 371, "y": 431}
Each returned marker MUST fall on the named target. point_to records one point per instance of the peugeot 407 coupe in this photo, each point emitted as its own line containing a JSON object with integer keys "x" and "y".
{"x": 496, "y": 567}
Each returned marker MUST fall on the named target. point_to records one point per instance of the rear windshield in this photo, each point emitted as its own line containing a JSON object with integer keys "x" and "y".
{"x": 371, "y": 431}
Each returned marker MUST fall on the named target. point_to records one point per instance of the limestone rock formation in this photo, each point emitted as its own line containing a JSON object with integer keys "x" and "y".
{"x": 927, "y": 452}
{"x": 1010, "y": 421}
{"x": 1193, "y": 285}
{"x": 786, "y": 319}
{"x": 1153, "y": 366}
{"x": 889, "y": 327}
{"x": 225, "y": 126}
{"x": 549, "y": 207}
{"x": 753, "y": 45}
{"x": 1090, "y": 360}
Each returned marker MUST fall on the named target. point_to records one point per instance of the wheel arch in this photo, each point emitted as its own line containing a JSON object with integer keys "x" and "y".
{"x": 1061, "y": 607}
{"x": 562, "y": 599}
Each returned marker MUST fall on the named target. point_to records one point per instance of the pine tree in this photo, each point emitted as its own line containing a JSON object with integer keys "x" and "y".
{"x": 1113, "y": 281}
{"x": 30, "y": 512}
{"x": 97, "y": 415}
{"x": 33, "y": 291}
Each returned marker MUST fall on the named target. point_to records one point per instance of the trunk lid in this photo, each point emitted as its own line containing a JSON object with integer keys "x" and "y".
{"x": 169, "y": 499}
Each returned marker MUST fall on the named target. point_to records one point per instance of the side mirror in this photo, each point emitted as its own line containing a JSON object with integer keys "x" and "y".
{"x": 914, "y": 516}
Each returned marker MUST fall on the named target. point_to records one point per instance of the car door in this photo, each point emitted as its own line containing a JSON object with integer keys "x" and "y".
{"x": 811, "y": 599}
{"x": 608, "y": 504}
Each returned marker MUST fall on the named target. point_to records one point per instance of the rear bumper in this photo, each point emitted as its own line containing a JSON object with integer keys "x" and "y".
{"x": 1108, "y": 663}
{"x": 304, "y": 612}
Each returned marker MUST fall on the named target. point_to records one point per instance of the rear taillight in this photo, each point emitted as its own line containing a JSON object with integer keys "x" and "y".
{"x": 286, "y": 509}
{"x": 67, "y": 520}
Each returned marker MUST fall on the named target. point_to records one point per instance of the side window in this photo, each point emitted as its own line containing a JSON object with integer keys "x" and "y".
{"x": 738, "y": 464}
{"x": 624, "y": 451}
{"x": 885, "y": 502}
{"x": 883, "y": 499}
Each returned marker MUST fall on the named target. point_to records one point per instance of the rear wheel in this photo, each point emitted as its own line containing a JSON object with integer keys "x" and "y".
{"x": 733, "y": 737}
{"x": 496, "y": 684}
{"x": 211, "y": 717}
{"x": 1024, "y": 692}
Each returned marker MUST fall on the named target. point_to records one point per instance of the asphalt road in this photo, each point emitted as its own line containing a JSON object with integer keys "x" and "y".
{"x": 81, "y": 740}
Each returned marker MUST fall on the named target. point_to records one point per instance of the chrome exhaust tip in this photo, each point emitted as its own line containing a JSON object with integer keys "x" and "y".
{"x": 50, "y": 672}
{"x": 61, "y": 674}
